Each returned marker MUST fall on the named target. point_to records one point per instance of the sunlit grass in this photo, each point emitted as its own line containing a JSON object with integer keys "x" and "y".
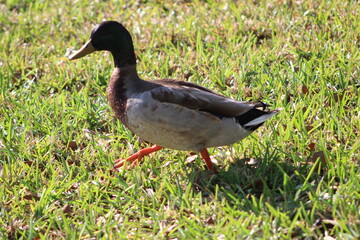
{"x": 296, "y": 177}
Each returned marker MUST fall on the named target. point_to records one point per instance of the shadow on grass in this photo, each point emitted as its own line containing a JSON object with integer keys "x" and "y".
{"x": 278, "y": 187}
{"x": 247, "y": 183}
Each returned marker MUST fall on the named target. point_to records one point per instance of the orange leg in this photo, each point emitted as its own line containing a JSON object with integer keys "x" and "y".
{"x": 137, "y": 156}
{"x": 205, "y": 155}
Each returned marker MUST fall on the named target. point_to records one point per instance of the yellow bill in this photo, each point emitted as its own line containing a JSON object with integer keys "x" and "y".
{"x": 85, "y": 50}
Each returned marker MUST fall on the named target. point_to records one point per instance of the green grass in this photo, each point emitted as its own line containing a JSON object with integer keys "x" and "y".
{"x": 296, "y": 178}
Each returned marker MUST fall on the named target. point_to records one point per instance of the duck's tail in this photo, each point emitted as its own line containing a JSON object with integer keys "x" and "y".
{"x": 254, "y": 118}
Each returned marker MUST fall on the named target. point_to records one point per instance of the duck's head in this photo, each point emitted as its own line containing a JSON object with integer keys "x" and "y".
{"x": 110, "y": 36}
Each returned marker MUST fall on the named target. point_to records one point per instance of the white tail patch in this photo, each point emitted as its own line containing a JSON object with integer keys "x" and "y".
{"x": 261, "y": 119}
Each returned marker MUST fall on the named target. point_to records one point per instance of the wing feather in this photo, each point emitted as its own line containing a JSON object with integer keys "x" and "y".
{"x": 193, "y": 96}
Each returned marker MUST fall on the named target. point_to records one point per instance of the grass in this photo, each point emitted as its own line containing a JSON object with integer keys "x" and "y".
{"x": 296, "y": 178}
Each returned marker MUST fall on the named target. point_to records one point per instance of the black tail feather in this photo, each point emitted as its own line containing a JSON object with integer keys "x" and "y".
{"x": 249, "y": 116}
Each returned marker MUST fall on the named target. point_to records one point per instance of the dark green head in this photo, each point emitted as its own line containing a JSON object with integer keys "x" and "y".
{"x": 110, "y": 36}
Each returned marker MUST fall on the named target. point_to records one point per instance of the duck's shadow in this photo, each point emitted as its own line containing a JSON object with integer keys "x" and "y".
{"x": 246, "y": 179}
{"x": 252, "y": 186}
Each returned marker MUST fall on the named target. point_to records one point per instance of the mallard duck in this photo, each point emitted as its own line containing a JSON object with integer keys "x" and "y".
{"x": 169, "y": 113}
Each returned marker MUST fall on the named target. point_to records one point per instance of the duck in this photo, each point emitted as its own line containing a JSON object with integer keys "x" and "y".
{"x": 169, "y": 113}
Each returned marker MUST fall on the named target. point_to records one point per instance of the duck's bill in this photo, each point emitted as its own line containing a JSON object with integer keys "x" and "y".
{"x": 85, "y": 50}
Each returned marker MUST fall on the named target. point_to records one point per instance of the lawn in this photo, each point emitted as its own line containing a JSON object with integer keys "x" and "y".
{"x": 297, "y": 177}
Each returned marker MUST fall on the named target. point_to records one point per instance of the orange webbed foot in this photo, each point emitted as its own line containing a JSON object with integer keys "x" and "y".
{"x": 135, "y": 158}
